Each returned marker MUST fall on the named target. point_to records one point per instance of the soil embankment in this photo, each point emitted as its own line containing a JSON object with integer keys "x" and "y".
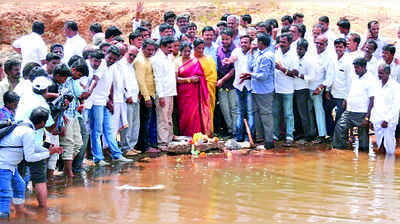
{"x": 16, "y": 16}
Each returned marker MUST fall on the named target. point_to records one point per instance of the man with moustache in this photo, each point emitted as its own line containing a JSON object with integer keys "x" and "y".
{"x": 165, "y": 80}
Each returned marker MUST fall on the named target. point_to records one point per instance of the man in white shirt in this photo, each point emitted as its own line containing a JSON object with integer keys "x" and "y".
{"x": 388, "y": 52}
{"x": 316, "y": 32}
{"x": 99, "y": 114}
{"x": 51, "y": 61}
{"x": 240, "y": 57}
{"x": 119, "y": 117}
{"x": 233, "y": 23}
{"x": 57, "y": 49}
{"x": 25, "y": 107}
{"x": 15, "y": 147}
{"x": 298, "y": 18}
{"x": 96, "y": 32}
{"x": 330, "y": 35}
{"x": 385, "y": 113}
{"x": 210, "y": 47}
{"x": 302, "y": 98}
{"x": 353, "y": 42}
{"x": 245, "y": 23}
{"x": 112, "y": 33}
{"x": 182, "y": 21}
{"x": 165, "y": 80}
{"x": 295, "y": 30}
{"x": 358, "y": 105}
{"x": 344, "y": 27}
{"x": 373, "y": 34}
{"x": 129, "y": 136}
{"x": 74, "y": 44}
{"x": 169, "y": 18}
{"x": 372, "y": 61}
{"x": 12, "y": 68}
{"x": 31, "y": 46}
{"x": 324, "y": 74}
{"x": 337, "y": 92}
{"x": 285, "y": 69}
{"x": 88, "y": 84}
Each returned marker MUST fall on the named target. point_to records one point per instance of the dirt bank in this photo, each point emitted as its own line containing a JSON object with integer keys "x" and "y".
{"x": 16, "y": 17}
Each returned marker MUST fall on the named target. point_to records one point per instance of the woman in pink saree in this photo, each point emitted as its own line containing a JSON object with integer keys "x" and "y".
{"x": 193, "y": 99}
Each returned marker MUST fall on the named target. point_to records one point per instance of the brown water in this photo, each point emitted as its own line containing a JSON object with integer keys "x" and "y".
{"x": 296, "y": 186}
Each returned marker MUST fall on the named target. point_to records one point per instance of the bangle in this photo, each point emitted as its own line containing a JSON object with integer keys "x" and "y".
{"x": 189, "y": 80}
{"x": 287, "y": 70}
{"x": 366, "y": 118}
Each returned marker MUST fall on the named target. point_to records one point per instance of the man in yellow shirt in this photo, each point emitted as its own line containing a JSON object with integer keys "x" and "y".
{"x": 145, "y": 78}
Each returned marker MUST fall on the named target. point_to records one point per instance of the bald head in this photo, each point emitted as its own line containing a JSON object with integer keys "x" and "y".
{"x": 122, "y": 48}
{"x": 131, "y": 53}
{"x": 384, "y": 72}
{"x": 321, "y": 43}
{"x": 322, "y": 38}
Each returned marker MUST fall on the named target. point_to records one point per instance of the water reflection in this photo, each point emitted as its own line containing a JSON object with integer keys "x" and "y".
{"x": 296, "y": 186}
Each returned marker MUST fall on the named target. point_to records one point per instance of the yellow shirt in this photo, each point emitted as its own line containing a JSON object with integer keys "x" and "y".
{"x": 145, "y": 76}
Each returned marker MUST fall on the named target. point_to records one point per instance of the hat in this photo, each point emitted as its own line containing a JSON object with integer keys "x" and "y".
{"x": 41, "y": 83}
{"x": 98, "y": 38}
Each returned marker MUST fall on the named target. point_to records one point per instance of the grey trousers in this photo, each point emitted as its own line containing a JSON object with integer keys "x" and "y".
{"x": 228, "y": 105}
{"x": 346, "y": 122}
{"x": 263, "y": 104}
{"x": 130, "y": 135}
{"x": 78, "y": 160}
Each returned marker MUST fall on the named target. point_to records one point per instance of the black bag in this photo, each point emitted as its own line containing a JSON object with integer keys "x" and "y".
{"x": 7, "y": 126}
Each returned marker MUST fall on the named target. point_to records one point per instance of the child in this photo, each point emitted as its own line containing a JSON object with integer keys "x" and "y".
{"x": 10, "y": 99}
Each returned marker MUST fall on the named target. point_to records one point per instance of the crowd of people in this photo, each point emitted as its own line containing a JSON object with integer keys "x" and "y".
{"x": 130, "y": 96}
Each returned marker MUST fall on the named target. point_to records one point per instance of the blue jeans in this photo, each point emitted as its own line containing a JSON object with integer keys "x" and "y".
{"x": 285, "y": 100}
{"x": 100, "y": 123}
{"x": 244, "y": 105}
{"x": 11, "y": 186}
{"x": 319, "y": 113}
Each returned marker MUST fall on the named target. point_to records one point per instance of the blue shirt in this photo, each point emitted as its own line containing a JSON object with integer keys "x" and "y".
{"x": 211, "y": 51}
{"x": 6, "y": 114}
{"x": 272, "y": 45}
{"x": 71, "y": 87}
{"x": 262, "y": 66}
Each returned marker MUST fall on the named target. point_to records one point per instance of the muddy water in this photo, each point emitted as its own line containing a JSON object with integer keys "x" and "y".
{"x": 296, "y": 186}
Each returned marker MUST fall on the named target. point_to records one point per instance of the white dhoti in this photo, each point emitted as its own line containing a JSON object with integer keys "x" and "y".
{"x": 387, "y": 135}
{"x": 119, "y": 117}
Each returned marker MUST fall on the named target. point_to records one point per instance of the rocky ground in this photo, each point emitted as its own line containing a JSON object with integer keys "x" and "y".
{"x": 16, "y": 16}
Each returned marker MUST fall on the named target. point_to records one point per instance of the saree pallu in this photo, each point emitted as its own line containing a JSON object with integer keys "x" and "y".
{"x": 193, "y": 101}
{"x": 210, "y": 72}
